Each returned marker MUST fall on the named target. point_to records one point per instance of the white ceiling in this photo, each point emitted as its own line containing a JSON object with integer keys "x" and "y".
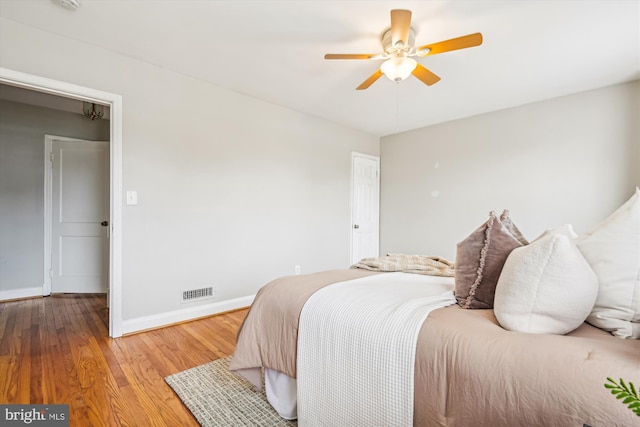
{"x": 273, "y": 50}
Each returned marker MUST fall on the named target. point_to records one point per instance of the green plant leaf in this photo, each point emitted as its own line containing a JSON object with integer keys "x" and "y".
{"x": 626, "y": 393}
{"x": 633, "y": 390}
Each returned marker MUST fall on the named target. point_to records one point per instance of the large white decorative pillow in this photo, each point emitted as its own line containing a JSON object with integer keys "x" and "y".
{"x": 613, "y": 251}
{"x": 546, "y": 287}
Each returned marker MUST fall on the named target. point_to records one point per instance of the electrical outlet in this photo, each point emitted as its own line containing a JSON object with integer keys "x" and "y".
{"x": 297, "y": 270}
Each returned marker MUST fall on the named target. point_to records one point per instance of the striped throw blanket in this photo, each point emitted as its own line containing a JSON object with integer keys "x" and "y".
{"x": 417, "y": 264}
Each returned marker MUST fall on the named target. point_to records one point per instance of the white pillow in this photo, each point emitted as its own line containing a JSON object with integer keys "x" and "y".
{"x": 546, "y": 287}
{"x": 613, "y": 251}
{"x": 566, "y": 229}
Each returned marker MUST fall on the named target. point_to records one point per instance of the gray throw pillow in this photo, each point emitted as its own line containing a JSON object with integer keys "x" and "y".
{"x": 480, "y": 258}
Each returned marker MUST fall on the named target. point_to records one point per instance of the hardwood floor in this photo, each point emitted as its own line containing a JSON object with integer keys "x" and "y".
{"x": 57, "y": 350}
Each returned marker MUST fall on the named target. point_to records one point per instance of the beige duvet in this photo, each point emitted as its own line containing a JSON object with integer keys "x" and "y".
{"x": 468, "y": 370}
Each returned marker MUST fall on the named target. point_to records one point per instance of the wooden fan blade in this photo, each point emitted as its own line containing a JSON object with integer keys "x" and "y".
{"x": 400, "y": 26}
{"x": 463, "y": 42}
{"x": 424, "y": 75}
{"x": 372, "y": 78}
{"x": 351, "y": 55}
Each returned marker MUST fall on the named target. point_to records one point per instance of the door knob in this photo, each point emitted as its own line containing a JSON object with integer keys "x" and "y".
{"x": 104, "y": 223}
{"x": 356, "y": 226}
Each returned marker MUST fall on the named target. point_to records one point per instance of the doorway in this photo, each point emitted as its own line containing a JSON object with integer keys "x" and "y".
{"x": 365, "y": 206}
{"x": 114, "y": 102}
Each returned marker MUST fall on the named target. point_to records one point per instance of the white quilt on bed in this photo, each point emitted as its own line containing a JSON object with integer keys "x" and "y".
{"x": 356, "y": 349}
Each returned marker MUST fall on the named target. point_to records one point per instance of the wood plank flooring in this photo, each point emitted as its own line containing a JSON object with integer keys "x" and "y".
{"x": 57, "y": 350}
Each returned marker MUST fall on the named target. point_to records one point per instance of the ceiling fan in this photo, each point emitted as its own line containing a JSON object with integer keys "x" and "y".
{"x": 398, "y": 46}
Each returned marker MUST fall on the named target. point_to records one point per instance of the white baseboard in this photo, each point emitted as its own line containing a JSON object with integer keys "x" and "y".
{"x": 21, "y": 293}
{"x": 177, "y": 316}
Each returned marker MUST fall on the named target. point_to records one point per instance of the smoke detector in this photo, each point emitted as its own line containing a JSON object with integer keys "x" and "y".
{"x": 69, "y": 4}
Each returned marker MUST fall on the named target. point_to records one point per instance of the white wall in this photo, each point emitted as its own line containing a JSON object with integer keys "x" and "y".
{"x": 573, "y": 160}
{"x": 232, "y": 191}
{"x": 22, "y": 131}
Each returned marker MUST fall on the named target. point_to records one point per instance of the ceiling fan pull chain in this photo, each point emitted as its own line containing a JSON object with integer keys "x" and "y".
{"x": 397, "y": 106}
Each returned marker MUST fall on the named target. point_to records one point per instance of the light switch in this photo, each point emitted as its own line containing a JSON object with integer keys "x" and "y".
{"x": 132, "y": 197}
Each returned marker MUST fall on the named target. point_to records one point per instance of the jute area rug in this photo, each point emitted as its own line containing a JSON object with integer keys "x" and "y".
{"x": 218, "y": 397}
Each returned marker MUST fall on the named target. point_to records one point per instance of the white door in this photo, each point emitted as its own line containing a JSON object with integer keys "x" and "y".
{"x": 365, "y": 206}
{"x": 80, "y": 216}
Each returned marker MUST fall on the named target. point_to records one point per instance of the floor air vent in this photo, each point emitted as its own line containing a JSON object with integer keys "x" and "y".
{"x": 197, "y": 294}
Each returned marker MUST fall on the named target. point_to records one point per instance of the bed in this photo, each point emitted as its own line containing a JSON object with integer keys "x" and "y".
{"x": 517, "y": 333}
{"x": 469, "y": 371}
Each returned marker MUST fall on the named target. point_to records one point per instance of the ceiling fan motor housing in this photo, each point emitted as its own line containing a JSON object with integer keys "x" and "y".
{"x": 406, "y": 49}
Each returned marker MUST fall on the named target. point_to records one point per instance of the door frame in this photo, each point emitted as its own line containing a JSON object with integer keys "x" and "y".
{"x": 114, "y": 101}
{"x": 48, "y": 208}
{"x": 355, "y": 154}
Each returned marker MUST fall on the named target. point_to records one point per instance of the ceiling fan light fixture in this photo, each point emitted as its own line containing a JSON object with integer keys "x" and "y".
{"x": 92, "y": 111}
{"x": 398, "y": 68}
